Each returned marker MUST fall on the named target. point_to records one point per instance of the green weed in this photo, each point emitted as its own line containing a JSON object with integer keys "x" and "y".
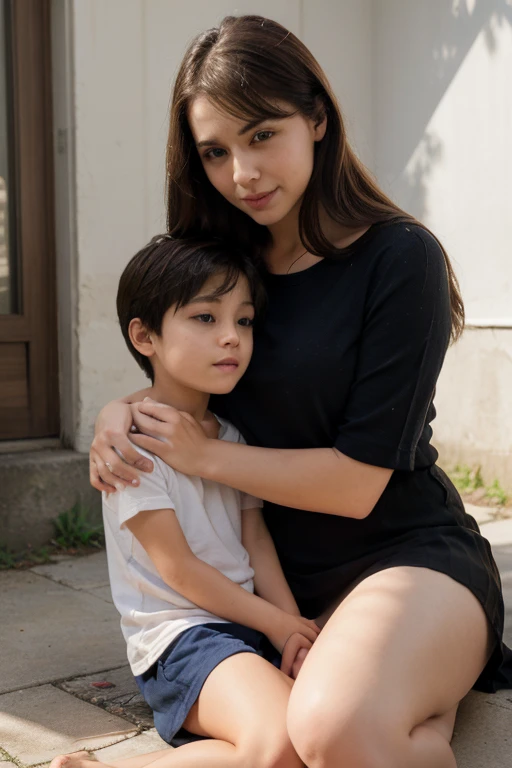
{"x": 7, "y": 559}
{"x": 74, "y": 529}
{"x": 466, "y": 479}
{"x": 496, "y": 493}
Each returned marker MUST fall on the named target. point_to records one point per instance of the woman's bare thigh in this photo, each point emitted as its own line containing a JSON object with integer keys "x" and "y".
{"x": 407, "y": 642}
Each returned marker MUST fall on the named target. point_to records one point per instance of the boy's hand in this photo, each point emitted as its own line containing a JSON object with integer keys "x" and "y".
{"x": 294, "y": 654}
{"x": 288, "y": 625}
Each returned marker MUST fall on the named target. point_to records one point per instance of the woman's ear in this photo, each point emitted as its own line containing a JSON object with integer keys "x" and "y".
{"x": 141, "y": 338}
{"x": 320, "y": 123}
{"x": 320, "y": 126}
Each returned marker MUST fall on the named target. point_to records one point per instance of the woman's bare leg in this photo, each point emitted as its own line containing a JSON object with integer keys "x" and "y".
{"x": 381, "y": 685}
{"x": 242, "y": 707}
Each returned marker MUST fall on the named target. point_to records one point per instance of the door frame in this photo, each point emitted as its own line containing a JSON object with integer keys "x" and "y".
{"x": 36, "y": 325}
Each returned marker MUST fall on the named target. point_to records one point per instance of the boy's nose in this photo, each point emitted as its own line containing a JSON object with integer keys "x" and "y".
{"x": 230, "y": 336}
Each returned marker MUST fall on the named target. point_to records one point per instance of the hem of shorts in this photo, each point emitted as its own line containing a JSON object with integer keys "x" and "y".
{"x": 194, "y": 691}
{"x": 170, "y": 642}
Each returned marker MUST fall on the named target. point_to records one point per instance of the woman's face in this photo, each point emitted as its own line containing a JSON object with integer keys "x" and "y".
{"x": 262, "y": 168}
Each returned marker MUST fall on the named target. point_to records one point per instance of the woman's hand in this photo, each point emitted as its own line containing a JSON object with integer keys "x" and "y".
{"x": 174, "y": 436}
{"x": 108, "y": 471}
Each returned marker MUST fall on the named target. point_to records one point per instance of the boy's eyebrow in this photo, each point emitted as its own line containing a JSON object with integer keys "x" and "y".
{"x": 247, "y": 127}
{"x": 215, "y": 299}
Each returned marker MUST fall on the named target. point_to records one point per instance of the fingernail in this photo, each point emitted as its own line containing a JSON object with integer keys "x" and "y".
{"x": 119, "y": 487}
{"x": 146, "y": 398}
{"x": 135, "y": 482}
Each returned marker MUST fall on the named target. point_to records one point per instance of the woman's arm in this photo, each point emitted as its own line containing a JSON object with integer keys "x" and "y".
{"x": 314, "y": 479}
{"x": 113, "y": 425}
{"x": 269, "y": 580}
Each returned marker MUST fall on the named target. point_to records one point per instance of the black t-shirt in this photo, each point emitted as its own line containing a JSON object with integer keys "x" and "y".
{"x": 348, "y": 355}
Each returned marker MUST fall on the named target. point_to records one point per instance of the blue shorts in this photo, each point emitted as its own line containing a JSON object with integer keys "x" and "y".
{"x": 173, "y": 683}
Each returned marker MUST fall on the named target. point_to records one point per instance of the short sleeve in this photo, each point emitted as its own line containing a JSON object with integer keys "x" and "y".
{"x": 406, "y": 332}
{"x": 155, "y": 491}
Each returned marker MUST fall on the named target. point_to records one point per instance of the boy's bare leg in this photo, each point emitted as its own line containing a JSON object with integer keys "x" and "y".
{"x": 242, "y": 708}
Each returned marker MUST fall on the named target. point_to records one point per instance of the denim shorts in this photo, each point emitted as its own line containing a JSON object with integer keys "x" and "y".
{"x": 173, "y": 683}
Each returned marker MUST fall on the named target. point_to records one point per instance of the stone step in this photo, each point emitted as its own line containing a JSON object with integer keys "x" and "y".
{"x": 36, "y": 487}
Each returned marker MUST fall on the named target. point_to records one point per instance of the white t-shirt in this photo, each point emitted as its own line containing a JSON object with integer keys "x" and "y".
{"x": 153, "y": 614}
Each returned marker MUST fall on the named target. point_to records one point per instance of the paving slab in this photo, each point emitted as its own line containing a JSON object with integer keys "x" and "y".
{"x": 481, "y": 514}
{"x": 149, "y": 741}
{"x": 122, "y": 697}
{"x": 499, "y": 532}
{"x": 6, "y": 764}
{"x": 483, "y": 731}
{"x": 38, "y": 723}
{"x": 103, "y": 593}
{"x": 82, "y": 573}
{"x": 51, "y": 632}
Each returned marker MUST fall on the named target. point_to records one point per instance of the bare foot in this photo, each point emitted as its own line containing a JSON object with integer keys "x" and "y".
{"x": 74, "y": 760}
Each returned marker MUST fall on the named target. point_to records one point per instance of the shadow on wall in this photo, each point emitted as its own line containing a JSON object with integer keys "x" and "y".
{"x": 418, "y": 50}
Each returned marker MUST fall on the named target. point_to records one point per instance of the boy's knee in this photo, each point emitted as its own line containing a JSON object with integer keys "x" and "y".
{"x": 273, "y": 750}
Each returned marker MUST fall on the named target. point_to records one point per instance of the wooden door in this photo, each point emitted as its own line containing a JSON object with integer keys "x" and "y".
{"x": 29, "y": 401}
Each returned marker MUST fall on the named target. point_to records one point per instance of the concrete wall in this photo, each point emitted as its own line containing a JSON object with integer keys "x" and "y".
{"x": 426, "y": 95}
{"x": 126, "y": 53}
{"x": 442, "y": 149}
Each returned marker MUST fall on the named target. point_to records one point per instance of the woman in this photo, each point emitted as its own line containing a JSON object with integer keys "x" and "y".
{"x": 336, "y": 405}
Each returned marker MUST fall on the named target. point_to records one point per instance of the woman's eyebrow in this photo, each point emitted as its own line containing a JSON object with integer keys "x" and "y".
{"x": 247, "y": 127}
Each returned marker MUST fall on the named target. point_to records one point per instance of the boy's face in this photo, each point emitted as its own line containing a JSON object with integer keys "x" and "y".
{"x": 206, "y": 345}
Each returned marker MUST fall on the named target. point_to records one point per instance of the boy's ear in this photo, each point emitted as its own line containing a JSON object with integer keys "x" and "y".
{"x": 140, "y": 338}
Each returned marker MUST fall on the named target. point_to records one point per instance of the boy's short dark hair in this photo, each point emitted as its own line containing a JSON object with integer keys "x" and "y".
{"x": 169, "y": 272}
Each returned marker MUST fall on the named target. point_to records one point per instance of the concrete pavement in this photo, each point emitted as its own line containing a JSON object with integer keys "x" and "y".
{"x": 65, "y": 684}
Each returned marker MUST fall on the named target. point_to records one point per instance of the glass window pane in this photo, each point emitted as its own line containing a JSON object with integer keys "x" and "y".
{"x": 8, "y": 262}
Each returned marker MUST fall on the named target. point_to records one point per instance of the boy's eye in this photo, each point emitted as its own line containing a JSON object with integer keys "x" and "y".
{"x": 214, "y": 153}
{"x": 204, "y": 317}
{"x": 247, "y": 322}
{"x": 262, "y": 136}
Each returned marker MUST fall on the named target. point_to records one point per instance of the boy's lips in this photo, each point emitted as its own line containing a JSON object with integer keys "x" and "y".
{"x": 228, "y": 364}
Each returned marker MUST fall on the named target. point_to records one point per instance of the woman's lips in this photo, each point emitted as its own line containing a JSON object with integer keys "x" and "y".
{"x": 259, "y": 201}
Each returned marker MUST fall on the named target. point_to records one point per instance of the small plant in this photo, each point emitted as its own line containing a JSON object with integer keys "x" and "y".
{"x": 496, "y": 493}
{"x": 7, "y": 559}
{"x": 74, "y": 529}
{"x": 466, "y": 479}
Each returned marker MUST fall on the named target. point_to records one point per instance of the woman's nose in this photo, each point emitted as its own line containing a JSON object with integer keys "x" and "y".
{"x": 244, "y": 170}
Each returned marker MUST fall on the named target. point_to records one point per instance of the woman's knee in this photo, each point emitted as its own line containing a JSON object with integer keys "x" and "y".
{"x": 359, "y": 736}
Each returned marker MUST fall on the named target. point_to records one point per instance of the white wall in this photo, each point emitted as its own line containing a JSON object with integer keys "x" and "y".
{"x": 443, "y": 150}
{"x": 425, "y": 89}
{"x": 126, "y": 53}
{"x": 442, "y": 129}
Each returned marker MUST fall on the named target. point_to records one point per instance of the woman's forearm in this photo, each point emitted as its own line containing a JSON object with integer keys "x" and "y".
{"x": 316, "y": 479}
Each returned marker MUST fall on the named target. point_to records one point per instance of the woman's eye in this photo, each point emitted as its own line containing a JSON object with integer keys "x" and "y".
{"x": 205, "y": 317}
{"x": 262, "y": 136}
{"x": 213, "y": 154}
{"x": 247, "y": 322}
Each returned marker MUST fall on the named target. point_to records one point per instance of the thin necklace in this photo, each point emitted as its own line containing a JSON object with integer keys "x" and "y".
{"x": 296, "y": 260}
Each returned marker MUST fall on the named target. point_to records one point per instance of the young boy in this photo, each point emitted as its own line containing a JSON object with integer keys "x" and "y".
{"x": 181, "y": 550}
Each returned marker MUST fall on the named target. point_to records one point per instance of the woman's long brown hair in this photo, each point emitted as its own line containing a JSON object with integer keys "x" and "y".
{"x": 248, "y": 66}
